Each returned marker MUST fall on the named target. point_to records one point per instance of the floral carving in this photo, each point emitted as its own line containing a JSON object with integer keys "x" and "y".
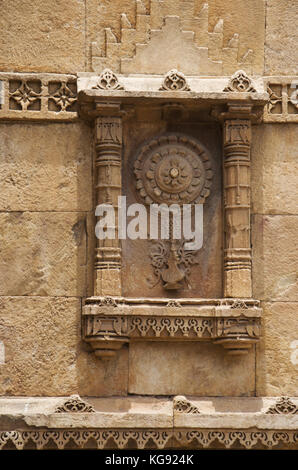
{"x": 274, "y": 99}
{"x": 171, "y": 263}
{"x": 108, "y": 80}
{"x": 182, "y": 405}
{"x": 107, "y": 301}
{"x": 283, "y": 406}
{"x": 239, "y": 304}
{"x": 75, "y": 405}
{"x": 173, "y": 304}
{"x": 175, "y": 80}
{"x": 240, "y": 82}
{"x": 25, "y": 95}
{"x": 62, "y": 95}
{"x": 173, "y": 169}
{"x": 101, "y": 439}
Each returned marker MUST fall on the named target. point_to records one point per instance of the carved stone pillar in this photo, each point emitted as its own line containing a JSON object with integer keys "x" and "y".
{"x": 108, "y": 144}
{"x": 236, "y": 169}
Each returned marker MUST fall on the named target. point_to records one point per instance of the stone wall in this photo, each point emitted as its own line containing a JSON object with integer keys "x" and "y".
{"x": 46, "y": 218}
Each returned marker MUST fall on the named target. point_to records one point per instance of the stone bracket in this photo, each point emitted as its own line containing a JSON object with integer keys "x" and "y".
{"x": 109, "y": 323}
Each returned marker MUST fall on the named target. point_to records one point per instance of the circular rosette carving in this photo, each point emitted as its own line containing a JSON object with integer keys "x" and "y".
{"x": 173, "y": 169}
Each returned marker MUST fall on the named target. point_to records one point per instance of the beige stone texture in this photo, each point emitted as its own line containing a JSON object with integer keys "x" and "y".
{"x": 238, "y": 40}
{"x": 248, "y": 21}
{"x": 200, "y": 369}
{"x": 42, "y": 36}
{"x": 40, "y": 336}
{"x": 277, "y": 353}
{"x": 45, "y": 167}
{"x": 275, "y": 254}
{"x": 100, "y": 377}
{"x": 281, "y": 54}
{"x": 44, "y": 253}
{"x": 44, "y": 354}
{"x": 274, "y": 169}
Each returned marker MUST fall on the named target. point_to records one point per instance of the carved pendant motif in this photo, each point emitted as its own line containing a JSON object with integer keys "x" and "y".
{"x": 171, "y": 263}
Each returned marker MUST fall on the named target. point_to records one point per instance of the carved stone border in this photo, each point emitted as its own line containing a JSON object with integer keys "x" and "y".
{"x": 283, "y": 99}
{"x": 38, "y": 96}
{"x": 147, "y": 438}
{"x": 107, "y": 326}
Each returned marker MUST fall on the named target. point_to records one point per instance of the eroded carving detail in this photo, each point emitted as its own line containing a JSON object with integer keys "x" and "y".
{"x": 146, "y": 326}
{"x": 107, "y": 301}
{"x": 107, "y": 189}
{"x": 173, "y": 304}
{"x": 237, "y": 257}
{"x": 141, "y": 438}
{"x": 182, "y": 405}
{"x": 187, "y": 37}
{"x": 171, "y": 263}
{"x": 175, "y": 80}
{"x": 23, "y": 94}
{"x": 38, "y": 96}
{"x": 283, "y": 101}
{"x": 62, "y": 94}
{"x": 239, "y": 304}
{"x": 283, "y": 406}
{"x": 240, "y": 82}
{"x": 173, "y": 169}
{"x": 108, "y": 80}
{"x": 75, "y": 405}
{"x": 248, "y": 439}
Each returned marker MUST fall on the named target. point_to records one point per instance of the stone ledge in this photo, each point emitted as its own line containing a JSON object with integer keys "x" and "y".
{"x": 138, "y": 422}
{"x": 110, "y": 322}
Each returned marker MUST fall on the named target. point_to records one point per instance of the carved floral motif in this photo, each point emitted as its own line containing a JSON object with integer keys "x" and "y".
{"x": 74, "y": 405}
{"x": 64, "y": 97}
{"x": 147, "y": 437}
{"x": 108, "y": 80}
{"x": 173, "y": 169}
{"x": 240, "y": 82}
{"x": 171, "y": 263}
{"x": 283, "y": 406}
{"x": 182, "y": 405}
{"x": 175, "y": 81}
{"x": 25, "y": 95}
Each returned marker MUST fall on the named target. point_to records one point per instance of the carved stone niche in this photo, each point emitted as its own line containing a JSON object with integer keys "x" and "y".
{"x": 173, "y": 140}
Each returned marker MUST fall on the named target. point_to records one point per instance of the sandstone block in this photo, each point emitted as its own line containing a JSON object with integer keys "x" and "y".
{"x": 275, "y": 254}
{"x": 42, "y": 36}
{"x": 198, "y": 369}
{"x": 281, "y": 55}
{"x": 40, "y": 336}
{"x": 274, "y": 167}
{"x": 277, "y": 353}
{"x": 45, "y": 167}
{"x": 43, "y": 253}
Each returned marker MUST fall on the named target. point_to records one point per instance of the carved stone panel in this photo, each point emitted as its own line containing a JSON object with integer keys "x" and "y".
{"x": 174, "y": 164}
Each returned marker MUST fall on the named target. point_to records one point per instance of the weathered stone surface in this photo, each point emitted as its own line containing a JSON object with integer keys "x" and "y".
{"x": 42, "y": 36}
{"x": 40, "y": 335}
{"x": 97, "y": 377}
{"x": 189, "y": 368}
{"x": 229, "y": 32}
{"x": 275, "y": 254}
{"x": 277, "y": 353}
{"x": 281, "y": 55}
{"x": 43, "y": 253}
{"x": 45, "y": 167}
{"x": 274, "y": 160}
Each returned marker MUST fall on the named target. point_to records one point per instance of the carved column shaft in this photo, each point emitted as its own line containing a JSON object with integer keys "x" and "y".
{"x": 236, "y": 168}
{"x": 107, "y": 189}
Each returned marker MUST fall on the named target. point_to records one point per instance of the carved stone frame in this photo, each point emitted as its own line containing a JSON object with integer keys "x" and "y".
{"x": 110, "y": 320}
